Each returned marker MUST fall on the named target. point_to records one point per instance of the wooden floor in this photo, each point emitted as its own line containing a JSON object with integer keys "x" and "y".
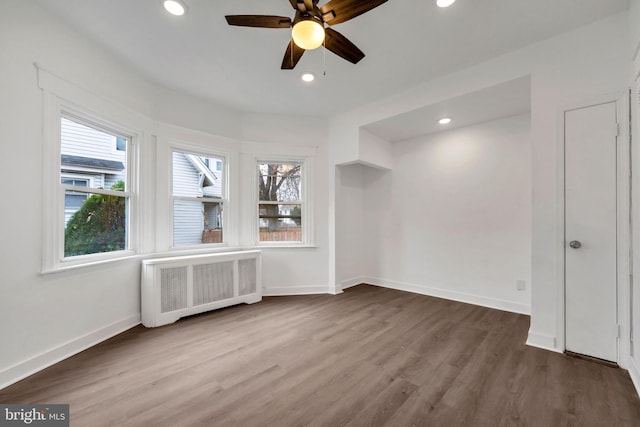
{"x": 370, "y": 356}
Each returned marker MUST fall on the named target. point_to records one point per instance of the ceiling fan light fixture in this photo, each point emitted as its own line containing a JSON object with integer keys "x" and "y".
{"x": 445, "y": 3}
{"x": 308, "y": 33}
{"x": 175, "y": 7}
{"x": 308, "y": 77}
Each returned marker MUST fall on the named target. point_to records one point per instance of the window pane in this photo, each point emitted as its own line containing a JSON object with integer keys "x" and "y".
{"x": 279, "y": 182}
{"x": 197, "y": 176}
{"x": 280, "y": 222}
{"x": 90, "y": 151}
{"x": 197, "y": 222}
{"x": 96, "y": 223}
{"x": 76, "y": 182}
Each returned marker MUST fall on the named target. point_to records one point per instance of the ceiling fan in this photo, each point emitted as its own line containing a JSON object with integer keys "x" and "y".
{"x": 308, "y": 27}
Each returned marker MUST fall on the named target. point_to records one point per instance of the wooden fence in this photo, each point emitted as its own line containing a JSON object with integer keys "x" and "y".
{"x": 289, "y": 234}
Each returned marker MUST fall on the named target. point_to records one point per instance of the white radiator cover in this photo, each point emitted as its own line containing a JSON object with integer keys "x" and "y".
{"x": 181, "y": 286}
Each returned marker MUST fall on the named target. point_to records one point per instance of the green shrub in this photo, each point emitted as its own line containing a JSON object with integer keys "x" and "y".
{"x": 99, "y": 225}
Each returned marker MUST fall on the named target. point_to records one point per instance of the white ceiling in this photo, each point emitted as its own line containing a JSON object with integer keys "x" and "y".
{"x": 406, "y": 42}
{"x": 503, "y": 100}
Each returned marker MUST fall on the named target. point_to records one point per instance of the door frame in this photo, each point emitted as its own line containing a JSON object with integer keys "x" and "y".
{"x": 624, "y": 255}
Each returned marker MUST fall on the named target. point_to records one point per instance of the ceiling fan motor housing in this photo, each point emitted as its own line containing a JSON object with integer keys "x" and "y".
{"x": 309, "y": 22}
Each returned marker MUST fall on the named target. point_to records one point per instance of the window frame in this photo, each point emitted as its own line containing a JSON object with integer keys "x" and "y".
{"x": 224, "y": 201}
{"x": 111, "y": 128}
{"x": 110, "y": 118}
{"x": 305, "y": 201}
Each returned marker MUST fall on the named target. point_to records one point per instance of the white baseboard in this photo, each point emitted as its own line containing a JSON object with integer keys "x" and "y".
{"x": 504, "y": 305}
{"x": 545, "y": 342}
{"x": 634, "y": 373}
{"x": 349, "y": 283}
{"x": 298, "y": 290}
{"x": 50, "y": 357}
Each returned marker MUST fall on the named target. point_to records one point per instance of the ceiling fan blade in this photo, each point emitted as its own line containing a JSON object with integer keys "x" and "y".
{"x": 337, "y": 11}
{"x": 260, "y": 21}
{"x": 291, "y": 56}
{"x": 341, "y": 46}
{"x": 302, "y": 6}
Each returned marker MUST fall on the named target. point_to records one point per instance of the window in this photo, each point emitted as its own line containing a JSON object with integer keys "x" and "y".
{"x": 198, "y": 198}
{"x": 121, "y": 144}
{"x": 280, "y": 205}
{"x": 93, "y": 179}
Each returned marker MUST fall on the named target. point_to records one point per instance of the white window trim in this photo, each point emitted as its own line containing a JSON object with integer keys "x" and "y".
{"x": 61, "y": 98}
{"x": 199, "y": 151}
{"x": 175, "y": 138}
{"x": 301, "y": 154}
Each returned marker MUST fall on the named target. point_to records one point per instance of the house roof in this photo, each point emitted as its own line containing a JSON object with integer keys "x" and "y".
{"x": 196, "y": 161}
{"x": 89, "y": 162}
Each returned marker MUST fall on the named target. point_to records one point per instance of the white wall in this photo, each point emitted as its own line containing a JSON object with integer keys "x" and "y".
{"x": 374, "y": 150}
{"x": 350, "y": 224}
{"x": 568, "y": 69}
{"x": 634, "y": 21}
{"x": 41, "y": 313}
{"x": 453, "y": 218}
{"x": 47, "y": 317}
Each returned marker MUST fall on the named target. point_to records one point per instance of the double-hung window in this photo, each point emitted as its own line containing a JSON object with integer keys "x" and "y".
{"x": 94, "y": 185}
{"x": 199, "y": 188}
{"x": 280, "y": 201}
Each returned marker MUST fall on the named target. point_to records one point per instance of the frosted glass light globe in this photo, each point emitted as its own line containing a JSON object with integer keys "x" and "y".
{"x": 308, "y": 34}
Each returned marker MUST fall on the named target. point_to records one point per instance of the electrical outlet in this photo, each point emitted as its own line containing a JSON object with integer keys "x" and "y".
{"x": 521, "y": 285}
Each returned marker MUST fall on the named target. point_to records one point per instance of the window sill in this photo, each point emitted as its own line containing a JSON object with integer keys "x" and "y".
{"x": 283, "y": 246}
{"x": 77, "y": 266}
{"x": 192, "y": 251}
{"x": 174, "y": 252}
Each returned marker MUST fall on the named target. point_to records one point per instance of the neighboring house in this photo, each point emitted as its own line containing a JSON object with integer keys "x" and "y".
{"x": 89, "y": 158}
{"x": 196, "y": 177}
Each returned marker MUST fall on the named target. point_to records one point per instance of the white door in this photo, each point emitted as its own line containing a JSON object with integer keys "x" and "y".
{"x": 590, "y": 231}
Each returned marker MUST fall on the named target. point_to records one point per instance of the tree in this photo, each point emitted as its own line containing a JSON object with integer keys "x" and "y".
{"x": 99, "y": 225}
{"x": 278, "y": 183}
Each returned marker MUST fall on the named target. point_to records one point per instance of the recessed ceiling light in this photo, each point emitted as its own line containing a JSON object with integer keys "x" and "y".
{"x": 444, "y": 121}
{"x": 445, "y": 3}
{"x": 175, "y": 7}
{"x": 308, "y": 77}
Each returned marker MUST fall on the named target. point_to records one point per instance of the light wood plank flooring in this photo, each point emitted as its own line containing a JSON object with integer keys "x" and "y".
{"x": 370, "y": 356}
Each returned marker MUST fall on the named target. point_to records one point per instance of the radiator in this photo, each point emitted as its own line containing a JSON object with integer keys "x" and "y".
{"x": 181, "y": 286}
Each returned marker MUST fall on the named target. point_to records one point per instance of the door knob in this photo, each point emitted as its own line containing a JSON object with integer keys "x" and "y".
{"x": 575, "y": 244}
